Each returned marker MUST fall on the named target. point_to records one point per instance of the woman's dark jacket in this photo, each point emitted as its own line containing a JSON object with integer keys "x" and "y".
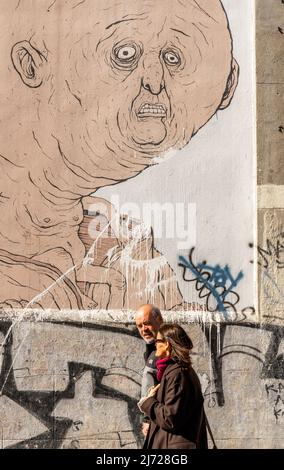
{"x": 176, "y": 413}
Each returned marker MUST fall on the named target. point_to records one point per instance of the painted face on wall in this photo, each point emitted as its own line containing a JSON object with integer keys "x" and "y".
{"x": 134, "y": 79}
{"x": 167, "y": 67}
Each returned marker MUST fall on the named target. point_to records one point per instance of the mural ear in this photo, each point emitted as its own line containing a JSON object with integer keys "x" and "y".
{"x": 232, "y": 84}
{"x": 29, "y": 63}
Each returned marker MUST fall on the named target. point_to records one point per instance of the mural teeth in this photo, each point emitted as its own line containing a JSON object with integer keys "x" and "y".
{"x": 152, "y": 109}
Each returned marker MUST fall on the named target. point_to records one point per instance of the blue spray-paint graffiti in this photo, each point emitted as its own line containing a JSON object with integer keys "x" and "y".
{"x": 213, "y": 281}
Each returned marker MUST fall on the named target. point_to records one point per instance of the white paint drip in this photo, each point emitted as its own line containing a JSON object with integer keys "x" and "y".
{"x": 142, "y": 271}
{"x": 35, "y": 300}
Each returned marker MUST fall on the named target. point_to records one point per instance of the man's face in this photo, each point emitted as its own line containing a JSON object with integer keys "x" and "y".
{"x": 147, "y": 325}
{"x": 139, "y": 78}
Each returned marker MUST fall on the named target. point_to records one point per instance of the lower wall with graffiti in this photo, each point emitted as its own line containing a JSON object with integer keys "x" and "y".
{"x": 71, "y": 379}
{"x": 76, "y": 385}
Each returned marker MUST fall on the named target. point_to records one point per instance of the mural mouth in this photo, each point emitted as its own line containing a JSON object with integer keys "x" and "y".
{"x": 152, "y": 110}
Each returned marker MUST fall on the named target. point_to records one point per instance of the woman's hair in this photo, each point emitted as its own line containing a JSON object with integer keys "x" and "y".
{"x": 179, "y": 341}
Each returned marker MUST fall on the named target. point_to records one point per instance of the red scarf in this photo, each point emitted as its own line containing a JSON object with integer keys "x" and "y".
{"x": 161, "y": 365}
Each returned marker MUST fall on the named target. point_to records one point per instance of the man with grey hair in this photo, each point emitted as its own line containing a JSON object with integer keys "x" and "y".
{"x": 148, "y": 320}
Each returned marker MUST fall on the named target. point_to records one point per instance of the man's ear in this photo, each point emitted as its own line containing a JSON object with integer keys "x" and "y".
{"x": 29, "y": 63}
{"x": 232, "y": 84}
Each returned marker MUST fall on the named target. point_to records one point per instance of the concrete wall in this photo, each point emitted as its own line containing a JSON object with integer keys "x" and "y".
{"x": 71, "y": 378}
{"x": 74, "y": 385}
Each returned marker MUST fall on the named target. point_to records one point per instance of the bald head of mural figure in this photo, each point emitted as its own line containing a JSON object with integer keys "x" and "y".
{"x": 94, "y": 90}
{"x": 118, "y": 83}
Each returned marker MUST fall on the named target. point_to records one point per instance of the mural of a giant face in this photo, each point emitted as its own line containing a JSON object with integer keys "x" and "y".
{"x": 94, "y": 91}
{"x": 130, "y": 80}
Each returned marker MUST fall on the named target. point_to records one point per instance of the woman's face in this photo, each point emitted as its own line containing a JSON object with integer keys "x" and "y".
{"x": 162, "y": 347}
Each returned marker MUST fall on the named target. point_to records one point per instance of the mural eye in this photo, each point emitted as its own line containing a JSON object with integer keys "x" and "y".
{"x": 126, "y": 56}
{"x": 126, "y": 53}
{"x": 172, "y": 58}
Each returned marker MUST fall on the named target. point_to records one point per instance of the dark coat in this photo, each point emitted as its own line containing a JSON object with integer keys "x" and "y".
{"x": 150, "y": 348}
{"x": 176, "y": 413}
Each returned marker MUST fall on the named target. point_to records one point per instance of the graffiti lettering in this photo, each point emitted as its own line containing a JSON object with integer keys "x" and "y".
{"x": 213, "y": 283}
{"x": 276, "y": 393}
{"x": 273, "y": 254}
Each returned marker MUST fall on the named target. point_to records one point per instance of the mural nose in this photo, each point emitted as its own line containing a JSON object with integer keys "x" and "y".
{"x": 153, "y": 79}
{"x": 155, "y": 90}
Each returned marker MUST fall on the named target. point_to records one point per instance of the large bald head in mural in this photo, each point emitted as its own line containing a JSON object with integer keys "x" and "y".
{"x": 91, "y": 92}
{"x": 116, "y": 83}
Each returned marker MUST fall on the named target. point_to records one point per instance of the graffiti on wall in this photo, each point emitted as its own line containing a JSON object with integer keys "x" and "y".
{"x": 77, "y": 385}
{"x": 272, "y": 253}
{"x": 275, "y": 393}
{"x": 121, "y": 90}
{"x": 271, "y": 264}
{"x": 58, "y": 398}
{"x": 215, "y": 284}
{"x": 118, "y": 92}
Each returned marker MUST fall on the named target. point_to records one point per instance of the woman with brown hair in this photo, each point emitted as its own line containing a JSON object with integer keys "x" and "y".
{"x": 175, "y": 405}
